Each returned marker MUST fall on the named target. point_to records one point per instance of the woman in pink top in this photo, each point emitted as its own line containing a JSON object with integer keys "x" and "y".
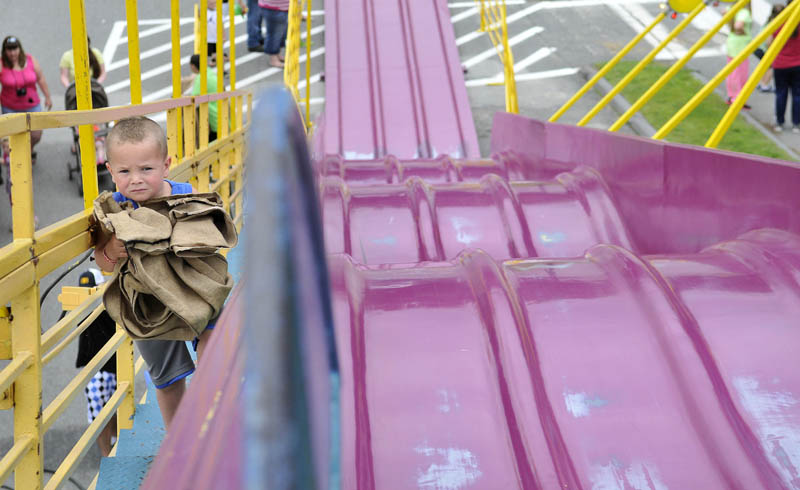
{"x": 19, "y": 76}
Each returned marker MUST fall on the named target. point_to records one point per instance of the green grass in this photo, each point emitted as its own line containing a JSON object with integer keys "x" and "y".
{"x": 699, "y": 125}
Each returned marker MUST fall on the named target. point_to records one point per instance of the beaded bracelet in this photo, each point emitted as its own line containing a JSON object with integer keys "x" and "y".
{"x": 107, "y": 257}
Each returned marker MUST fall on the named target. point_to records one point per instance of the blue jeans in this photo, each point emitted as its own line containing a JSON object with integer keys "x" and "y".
{"x": 786, "y": 79}
{"x": 254, "y": 18}
{"x": 277, "y": 24}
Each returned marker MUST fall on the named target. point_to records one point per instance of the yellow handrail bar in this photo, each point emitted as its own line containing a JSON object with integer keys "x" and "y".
{"x": 60, "y": 403}
{"x": 81, "y": 447}
{"x": 72, "y": 335}
{"x": 726, "y": 70}
{"x": 758, "y": 74}
{"x": 10, "y": 373}
{"x": 642, "y": 64}
{"x": 13, "y": 457}
{"x": 674, "y": 69}
{"x": 70, "y": 320}
{"x": 606, "y": 68}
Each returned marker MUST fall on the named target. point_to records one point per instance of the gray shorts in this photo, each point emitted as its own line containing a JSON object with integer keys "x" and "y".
{"x": 167, "y": 360}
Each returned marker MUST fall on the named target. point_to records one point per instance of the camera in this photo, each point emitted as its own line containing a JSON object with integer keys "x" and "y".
{"x": 22, "y": 91}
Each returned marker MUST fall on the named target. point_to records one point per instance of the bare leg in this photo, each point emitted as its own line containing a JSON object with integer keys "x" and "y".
{"x": 104, "y": 439}
{"x": 168, "y": 400}
{"x": 201, "y": 343}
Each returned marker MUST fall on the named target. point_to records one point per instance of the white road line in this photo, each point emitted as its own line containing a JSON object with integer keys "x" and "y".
{"x": 163, "y": 48}
{"x": 167, "y": 25}
{"x": 113, "y": 41}
{"x": 270, "y": 71}
{"x": 456, "y": 5}
{"x": 166, "y": 67}
{"x": 636, "y": 17}
{"x": 464, "y": 15}
{"x": 539, "y": 54}
{"x": 524, "y": 77}
{"x": 511, "y": 42}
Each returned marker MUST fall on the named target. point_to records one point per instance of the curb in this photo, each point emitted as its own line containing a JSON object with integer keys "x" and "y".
{"x": 638, "y": 123}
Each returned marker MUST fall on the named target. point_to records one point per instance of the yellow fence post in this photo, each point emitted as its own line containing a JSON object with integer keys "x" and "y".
{"x": 674, "y": 69}
{"x": 83, "y": 92}
{"x": 687, "y": 108}
{"x": 203, "y": 123}
{"x": 134, "y": 65}
{"x": 606, "y": 68}
{"x": 641, "y": 65}
{"x": 125, "y": 367}
{"x": 232, "y": 55}
{"x": 308, "y": 65}
{"x": 222, "y": 120}
{"x": 175, "y": 30}
{"x": 754, "y": 79}
{"x": 25, "y": 325}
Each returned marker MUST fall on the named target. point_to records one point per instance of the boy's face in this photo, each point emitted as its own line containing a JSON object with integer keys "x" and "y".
{"x": 139, "y": 169}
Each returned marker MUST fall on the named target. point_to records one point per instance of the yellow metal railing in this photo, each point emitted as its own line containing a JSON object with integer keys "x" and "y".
{"x": 291, "y": 70}
{"x": 493, "y": 22}
{"x": 33, "y": 254}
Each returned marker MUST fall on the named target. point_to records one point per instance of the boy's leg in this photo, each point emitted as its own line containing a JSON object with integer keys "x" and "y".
{"x": 169, "y": 398}
{"x": 168, "y": 362}
{"x": 202, "y": 341}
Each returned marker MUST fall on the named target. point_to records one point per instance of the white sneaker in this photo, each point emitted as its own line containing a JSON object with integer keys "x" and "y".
{"x": 778, "y": 128}
{"x": 795, "y": 129}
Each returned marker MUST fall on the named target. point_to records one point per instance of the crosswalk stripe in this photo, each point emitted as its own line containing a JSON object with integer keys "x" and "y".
{"x": 511, "y": 42}
{"x": 539, "y": 75}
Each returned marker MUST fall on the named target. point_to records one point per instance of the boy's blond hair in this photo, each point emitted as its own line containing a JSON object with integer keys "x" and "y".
{"x": 135, "y": 130}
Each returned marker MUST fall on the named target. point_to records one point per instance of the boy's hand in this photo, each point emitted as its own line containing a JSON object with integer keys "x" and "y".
{"x": 115, "y": 248}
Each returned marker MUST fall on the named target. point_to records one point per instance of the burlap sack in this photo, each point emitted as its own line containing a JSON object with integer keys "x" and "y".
{"x": 173, "y": 281}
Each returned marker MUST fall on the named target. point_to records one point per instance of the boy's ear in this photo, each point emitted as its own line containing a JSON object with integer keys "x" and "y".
{"x": 167, "y": 163}
{"x": 108, "y": 167}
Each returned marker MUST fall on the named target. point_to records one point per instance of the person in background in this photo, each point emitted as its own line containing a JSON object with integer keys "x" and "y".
{"x": 104, "y": 382}
{"x": 787, "y": 77}
{"x": 19, "y": 76}
{"x": 97, "y": 65}
{"x": 741, "y": 34}
{"x": 276, "y": 13}
{"x": 255, "y": 39}
{"x": 194, "y": 81}
{"x": 765, "y": 85}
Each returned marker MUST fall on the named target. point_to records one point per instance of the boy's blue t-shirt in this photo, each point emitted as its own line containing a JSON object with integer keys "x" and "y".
{"x": 177, "y": 188}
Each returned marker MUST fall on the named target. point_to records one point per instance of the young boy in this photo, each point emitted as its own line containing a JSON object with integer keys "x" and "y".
{"x": 139, "y": 165}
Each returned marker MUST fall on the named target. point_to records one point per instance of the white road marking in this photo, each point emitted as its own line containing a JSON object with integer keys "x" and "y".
{"x": 112, "y": 42}
{"x": 539, "y": 54}
{"x": 166, "y": 67}
{"x": 165, "y": 26}
{"x": 456, "y": 5}
{"x": 539, "y": 75}
{"x": 511, "y": 42}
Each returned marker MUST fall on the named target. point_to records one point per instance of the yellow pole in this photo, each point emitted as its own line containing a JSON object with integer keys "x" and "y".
{"x": 641, "y": 65}
{"x": 308, "y": 64}
{"x": 196, "y": 28}
{"x": 222, "y": 113}
{"x": 83, "y": 91}
{"x": 203, "y": 72}
{"x": 511, "y": 83}
{"x": 232, "y": 55}
{"x": 175, "y": 18}
{"x": 674, "y": 69}
{"x": 605, "y": 69}
{"x": 748, "y": 88}
{"x": 719, "y": 77}
{"x": 25, "y": 321}
{"x": 134, "y": 66}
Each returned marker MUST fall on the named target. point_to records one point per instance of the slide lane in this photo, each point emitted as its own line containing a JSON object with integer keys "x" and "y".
{"x": 611, "y": 370}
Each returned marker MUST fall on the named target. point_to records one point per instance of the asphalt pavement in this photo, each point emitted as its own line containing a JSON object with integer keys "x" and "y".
{"x": 551, "y": 41}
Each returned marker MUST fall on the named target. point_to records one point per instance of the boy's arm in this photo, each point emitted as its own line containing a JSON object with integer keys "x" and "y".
{"x": 107, "y": 252}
